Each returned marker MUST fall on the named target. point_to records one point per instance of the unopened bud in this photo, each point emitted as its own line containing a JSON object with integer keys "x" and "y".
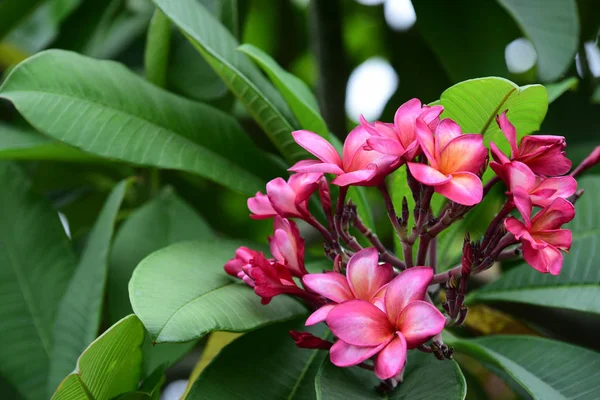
{"x": 306, "y": 340}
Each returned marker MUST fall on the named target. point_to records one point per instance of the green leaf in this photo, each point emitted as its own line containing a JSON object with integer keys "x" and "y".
{"x": 24, "y": 143}
{"x": 547, "y": 369}
{"x": 12, "y": 12}
{"x": 219, "y": 48}
{"x": 195, "y": 296}
{"x": 553, "y": 27}
{"x": 105, "y": 109}
{"x": 474, "y": 104}
{"x": 555, "y": 90}
{"x": 79, "y": 314}
{"x": 110, "y": 366}
{"x": 425, "y": 378}
{"x": 289, "y": 375}
{"x": 578, "y": 285}
{"x": 295, "y": 92}
{"x": 165, "y": 220}
{"x": 156, "y": 57}
{"x": 36, "y": 263}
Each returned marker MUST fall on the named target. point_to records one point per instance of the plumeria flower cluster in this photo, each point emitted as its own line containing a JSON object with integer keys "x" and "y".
{"x": 379, "y": 305}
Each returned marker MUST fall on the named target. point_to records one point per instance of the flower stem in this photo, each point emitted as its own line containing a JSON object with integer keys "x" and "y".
{"x": 374, "y": 240}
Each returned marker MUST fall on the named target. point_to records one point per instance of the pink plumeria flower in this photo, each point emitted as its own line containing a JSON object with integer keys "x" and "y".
{"x": 287, "y": 199}
{"x": 268, "y": 277}
{"x": 357, "y": 166}
{"x": 363, "y": 330}
{"x": 542, "y": 238}
{"x": 529, "y": 190}
{"x": 365, "y": 280}
{"x": 400, "y": 138}
{"x": 287, "y": 246}
{"x": 543, "y": 154}
{"x": 454, "y": 160}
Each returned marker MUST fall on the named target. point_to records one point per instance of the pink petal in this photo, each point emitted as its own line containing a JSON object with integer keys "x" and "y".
{"x": 304, "y": 185}
{"x": 545, "y": 260}
{"x": 498, "y": 155}
{"x": 405, "y": 116}
{"x": 516, "y": 227}
{"x": 284, "y": 249}
{"x": 361, "y": 177}
{"x": 464, "y": 188}
{"x": 444, "y": 133}
{"x": 354, "y": 147}
{"x": 410, "y": 285}
{"x": 261, "y": 207}
{"x": 427, "y": 175}
{"x": 282, "y": 197}
{"x": 509, "y": 132}
{"x": 365, "y": 275}
{"x": 343, "y": 354}
{"x": 519, "y": 175}
{"x": 317, "y": 146}
{"x": 359, "y": 323}
{"x": 464, "y": 153}
{"x": 523, "y": 203}
{"x": 419, "y": 322}
{"x": 559, "y": 238}
{"x": 562, "y": 186}
{"x": 319, "y": 315}
{"x": 425, "y": 139}
{"x": 331, "y": 285}
{"x": 385, "y": 145}
{"x": 559, "y": 212}
{"x": 430, "y": 114}
{"x": 391, "y": 360}
{"x": 316, "y": 166}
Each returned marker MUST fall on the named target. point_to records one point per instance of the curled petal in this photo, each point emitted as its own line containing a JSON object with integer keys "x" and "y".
{"x": 344, "y": 354}
{"x": 430, "y": 114}
{"x": 405, "y": 117}
{"x": 319, "y": 315}
{"x": 425, "y": 139}
{"x": 365, "y": 275}
{"x": 385, "y": 145}
{"x": 547, "y": 259}
{"x": 419, "y": 322}
{"x": 559, "y": 238}
{"x": 410, "y": 285}
{"x": 517, "y": 228}
{"x": 317, "y": 146}
{"x": 464, "y": 188}
{"x": 316, "y": 166}
{"x": 509, "y": 132}
{"x": 261, "y": 207}
{"x": 331, "y": 285}
{"x": 559, "y": 212}
{"x": 523, "y": 203}
{"x": 304, "y": 185}
{"x": 561, "y": 186}
{"x": 392, "y": 358}
{"x": 428, "y": 175}
{"x": 359, "y": 323}
{"x": 361, "y": 177}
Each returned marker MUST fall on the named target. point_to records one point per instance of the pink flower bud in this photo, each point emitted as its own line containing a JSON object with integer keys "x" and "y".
{"x": 306, "y": 340}
{"x": 287, "y": 246}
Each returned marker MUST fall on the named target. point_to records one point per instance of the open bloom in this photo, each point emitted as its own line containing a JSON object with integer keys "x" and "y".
{"x": 357, "y": 166}
{"x": 544, "y": 154}
{"x": 363, "y": 330}
{"x": 365, "y": 280}
{"x": 400, "y": 139}
{"x": 542, "y": 238}
{"x": 287, "y": 246}
{"x": 268, "y": 278}
{"x": 287, "y": 199}
{"x": 454, "y": 160}
{"x": 529, "y": 190}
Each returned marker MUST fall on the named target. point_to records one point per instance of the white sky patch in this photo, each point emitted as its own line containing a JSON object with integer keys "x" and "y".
{"x": 370, "y": 87}
{"x": 399, "y": 14}
{"x": 593, "y": 57}
{"x": 65, "y": 224}
{"x": 520, "y": 56}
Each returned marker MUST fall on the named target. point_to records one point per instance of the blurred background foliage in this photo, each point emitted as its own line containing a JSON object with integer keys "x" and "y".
{"x": 360, "y": 56}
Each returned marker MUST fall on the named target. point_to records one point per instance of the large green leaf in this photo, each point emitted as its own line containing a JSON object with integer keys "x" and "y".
{"x": 290, "y": 374}
{"x": 553, "y": 27}
{"x": 578, "y": 285}
{"x": 295, "y": 92}
{"x": 105, "y": 109}
{"x": 425, "y": 378}
{"x": 181, "y": 293}
{"x": 79, "y": 314}
{"x": 110, "y": 366}
{"x": 165, "y": 220}
{"x": 547, "y": 369}
{"x": 156, "y": 57}
{"x": 219, "y": 48}
{"x": 36, "y": 263}
{"x": 24, "y": 143}
{"x": 474, "y": 104}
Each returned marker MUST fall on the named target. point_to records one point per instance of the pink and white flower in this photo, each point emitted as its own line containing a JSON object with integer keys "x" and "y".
{"x": 357, "y": 166}
{"x": 454, "y": 161}
{"x": 400, "y": 138}
{"x": 365, "y": 279}
{"x": 541, "y": 236}
{"x": 406, "y": 321}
